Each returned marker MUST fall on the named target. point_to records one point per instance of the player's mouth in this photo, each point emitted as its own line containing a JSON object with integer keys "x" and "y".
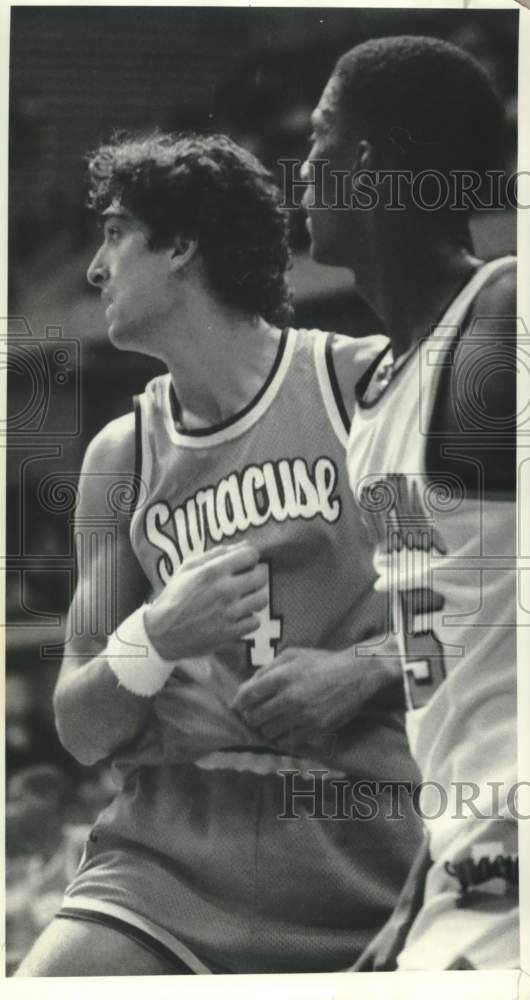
{"x": 309, "y": 227}
{"x": 107, "y": 301}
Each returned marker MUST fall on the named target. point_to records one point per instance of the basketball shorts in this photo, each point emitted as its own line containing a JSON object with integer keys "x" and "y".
{"x": 235, "y": 884}
{"x": 138, "y": 929}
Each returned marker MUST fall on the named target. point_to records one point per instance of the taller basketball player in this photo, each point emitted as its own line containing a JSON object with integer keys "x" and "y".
{"x": 245, "y": 542}
{"x": 432, "y": 458}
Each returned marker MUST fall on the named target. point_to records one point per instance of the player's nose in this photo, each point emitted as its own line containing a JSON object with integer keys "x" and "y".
{"x": 98, "y": 271}
{"x": 308, "y": 178}
{"x": 305, "y": 171}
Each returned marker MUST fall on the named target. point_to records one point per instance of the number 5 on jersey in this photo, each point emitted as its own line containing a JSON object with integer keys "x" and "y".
{"x": 423, "y": 652}
{"x": 262, "y": 645}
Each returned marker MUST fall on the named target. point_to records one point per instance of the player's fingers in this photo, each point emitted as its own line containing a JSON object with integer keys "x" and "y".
{"x": 282, "y": 728}
{"x": 267, "y": 712}
{"x": 250, "y": 604}
{"x": 285, "y": 656}
{"x": 253, "y": 692}
{"x": 245, "y": 626}
{"x": 240, "y": 558}
{"x": 211, "y": 554}
{"x": 253, "y": 579}
{"x": 238, "y": 586}
{"x": 278, "y": 661}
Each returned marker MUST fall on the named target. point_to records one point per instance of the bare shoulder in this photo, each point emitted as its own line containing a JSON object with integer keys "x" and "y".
{"x": 487, "y": 346}
{"x": 479, "y": 409}
{"x": 498, "y": 298}
{"x": 494, "y": 311}
{"x": 351, "y": 358}
{"x": 108, "y": 465}
{"x": 113, "y": 446}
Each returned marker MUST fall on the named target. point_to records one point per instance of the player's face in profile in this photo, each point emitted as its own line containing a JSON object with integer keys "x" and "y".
{"x": 334, "y": 231}
{"x": 135, "y": 281}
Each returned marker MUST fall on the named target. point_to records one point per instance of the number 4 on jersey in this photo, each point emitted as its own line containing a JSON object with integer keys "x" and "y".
{"x": 262, "y": 644}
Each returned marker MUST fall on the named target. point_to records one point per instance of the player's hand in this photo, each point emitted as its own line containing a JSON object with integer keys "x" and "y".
{"x": 212, "y": 600}
{"x": 308, "y": 691}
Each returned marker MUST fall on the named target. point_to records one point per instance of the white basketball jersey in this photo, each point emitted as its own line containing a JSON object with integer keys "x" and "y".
{"x": 446, "y": 560}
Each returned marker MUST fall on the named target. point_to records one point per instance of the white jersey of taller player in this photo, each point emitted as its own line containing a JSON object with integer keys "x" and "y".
{"x": 444, "y": 555}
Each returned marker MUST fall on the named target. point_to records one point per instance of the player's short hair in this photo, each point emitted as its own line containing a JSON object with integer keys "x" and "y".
{"x": 209, "y": 188}
{"x": 428, "y": 101}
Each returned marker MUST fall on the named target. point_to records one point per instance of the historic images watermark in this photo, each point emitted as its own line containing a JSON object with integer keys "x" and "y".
{"x": 316, "y": 794}
{"x": 428, "y": 190}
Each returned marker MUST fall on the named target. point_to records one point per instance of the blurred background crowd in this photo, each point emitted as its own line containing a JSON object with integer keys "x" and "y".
{"x": 76, "y": 75}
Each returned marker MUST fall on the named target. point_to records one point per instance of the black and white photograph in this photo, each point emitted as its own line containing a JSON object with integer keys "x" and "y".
{"x": 265, "y": 557}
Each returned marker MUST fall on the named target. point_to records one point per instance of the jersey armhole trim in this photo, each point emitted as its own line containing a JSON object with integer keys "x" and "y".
{"x": 362, "y": 385}
{"x": 329, "y": 387}
{"x": 137, "y": 438}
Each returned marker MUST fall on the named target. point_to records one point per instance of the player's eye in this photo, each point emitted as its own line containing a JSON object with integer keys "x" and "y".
{"x": 112, "y": 233}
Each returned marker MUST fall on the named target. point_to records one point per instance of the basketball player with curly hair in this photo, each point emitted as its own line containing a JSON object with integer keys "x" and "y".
{"x": 243, "y": 557}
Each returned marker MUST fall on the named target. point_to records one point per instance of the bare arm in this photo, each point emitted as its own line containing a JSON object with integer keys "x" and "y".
{"x": 476, "y": 421}
{"x": 211, "y": 601}
{"x": 94, "y": 715}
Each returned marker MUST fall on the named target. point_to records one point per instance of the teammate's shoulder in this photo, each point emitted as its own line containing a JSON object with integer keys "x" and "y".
{"x": 498, "y": 296}
{"x": 494, "y": 308}
{"x": 351, "y": 357}
{"x": 113, "y": 447}
{"x": 347, "y": 358}
{"x": 476, "y": 398}
{"x": 358, "y": 351}
{"x": 345, "y": 346}
{"x": 490, "y": 328}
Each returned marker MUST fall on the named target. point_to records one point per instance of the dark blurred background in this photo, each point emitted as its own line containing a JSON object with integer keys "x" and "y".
{"x": 77, "y": 74}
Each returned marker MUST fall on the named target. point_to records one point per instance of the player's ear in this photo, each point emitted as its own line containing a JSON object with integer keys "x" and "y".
{"x": 363, "y": 156}
{"x": 363, "y": 164}
{"x": 182, "y": 251}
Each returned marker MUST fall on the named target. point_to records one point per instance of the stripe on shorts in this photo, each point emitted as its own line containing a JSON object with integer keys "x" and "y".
{"x": 137, "y": 928}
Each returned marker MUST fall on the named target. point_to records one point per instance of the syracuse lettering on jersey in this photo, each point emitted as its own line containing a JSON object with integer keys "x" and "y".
{"x": 272, "y": 491}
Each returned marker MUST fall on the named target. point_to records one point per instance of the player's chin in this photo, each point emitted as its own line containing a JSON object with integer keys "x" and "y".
{"x": 118, "y": 335}
{"x": 128, "y": 339}
{"x": 122, "y": 343}
{"x": 322, "y": 249}
{"x": 114, "y": 336}
{"x": 323, "y": 253}
{"x": 315, "y": 250}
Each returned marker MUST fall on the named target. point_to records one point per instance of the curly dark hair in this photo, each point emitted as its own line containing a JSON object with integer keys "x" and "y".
{"x": 209, "y": 188}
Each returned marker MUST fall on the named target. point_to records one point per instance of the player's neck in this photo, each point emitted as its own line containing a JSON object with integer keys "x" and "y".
{"x": 415, "y": 284}
{"x": 218, "y": 362}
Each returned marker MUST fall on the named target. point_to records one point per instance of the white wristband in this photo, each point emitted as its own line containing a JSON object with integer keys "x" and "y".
{"x": 134, "y": 660}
